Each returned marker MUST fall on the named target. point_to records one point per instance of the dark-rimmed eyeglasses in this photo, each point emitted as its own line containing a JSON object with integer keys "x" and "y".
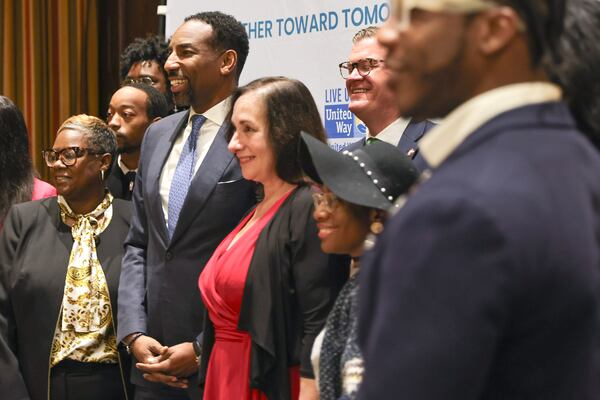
{"x": 68, "y": 155}
{"x": 363, "y": 66}
{"x": 327, "y": 200}
{"x": 146, "y": 80}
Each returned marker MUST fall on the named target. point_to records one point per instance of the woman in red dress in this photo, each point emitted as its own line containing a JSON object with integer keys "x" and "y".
{"x": 268, "y": 287}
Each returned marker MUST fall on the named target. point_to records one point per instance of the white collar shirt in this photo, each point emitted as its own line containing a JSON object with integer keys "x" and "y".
{"x": 442, "y": 140}
{"x": 215, "y": 116}
{"x": 392, "y": 133}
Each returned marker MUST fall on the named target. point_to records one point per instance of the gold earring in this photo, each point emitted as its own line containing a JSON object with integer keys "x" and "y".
{"x": 376, "y": 227}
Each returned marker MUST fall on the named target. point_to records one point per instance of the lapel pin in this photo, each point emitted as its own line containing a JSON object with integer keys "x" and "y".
{"x": 411, "y": 153}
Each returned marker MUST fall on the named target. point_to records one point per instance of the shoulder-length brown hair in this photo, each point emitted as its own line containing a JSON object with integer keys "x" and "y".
{"x": 290, "y": 109}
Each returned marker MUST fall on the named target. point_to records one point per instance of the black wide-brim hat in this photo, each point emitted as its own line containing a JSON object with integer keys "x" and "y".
{"x": 372, "y": 176}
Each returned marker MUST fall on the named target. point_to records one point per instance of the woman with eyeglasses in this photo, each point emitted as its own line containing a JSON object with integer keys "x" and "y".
{"x": 353, "y": 191}
{"x": 60, "y": 262}
{"x": 18, "y": 181}
{"x": 268, "y": 287}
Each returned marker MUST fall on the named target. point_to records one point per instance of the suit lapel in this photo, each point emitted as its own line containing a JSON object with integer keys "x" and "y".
{"x": 156, "y": 164}
{"x": 114, "y": 182}
{"x": 408, "y": 142}
{"x": 210, "y": 171}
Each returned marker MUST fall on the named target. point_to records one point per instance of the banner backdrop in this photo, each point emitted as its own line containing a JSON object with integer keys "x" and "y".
{"x": 301, "y": 39}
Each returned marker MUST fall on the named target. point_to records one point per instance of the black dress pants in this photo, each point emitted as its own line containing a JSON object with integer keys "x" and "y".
{"x": 74, "y": 380}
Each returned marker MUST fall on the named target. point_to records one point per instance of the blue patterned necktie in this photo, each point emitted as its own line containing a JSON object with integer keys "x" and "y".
{"x": 183, "y": 173}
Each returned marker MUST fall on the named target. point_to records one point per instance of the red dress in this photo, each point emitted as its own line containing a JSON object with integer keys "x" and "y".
{"x": 221, "y": 286}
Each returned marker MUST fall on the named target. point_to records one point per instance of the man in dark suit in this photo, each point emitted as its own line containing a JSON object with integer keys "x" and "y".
{"x": 131, "y": 110}
{"x": 189, "y": 194}
{"x": 485, "y": 283}
{"x": 372, "y": 100}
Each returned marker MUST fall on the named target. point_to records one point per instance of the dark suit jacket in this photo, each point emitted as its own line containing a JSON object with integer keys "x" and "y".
{"x": 159, "y": 282}
{"x": 116, "y": 182}
{"x": 34, "y": 253}
{"x": 486, "y": 284}
{"x": 408, "y": 141}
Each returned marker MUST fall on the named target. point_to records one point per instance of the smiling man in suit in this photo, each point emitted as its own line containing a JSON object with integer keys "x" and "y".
{"x": 485, "y": 283}
{"x": 189, "y": 194}
{"x": 373, "y": 101}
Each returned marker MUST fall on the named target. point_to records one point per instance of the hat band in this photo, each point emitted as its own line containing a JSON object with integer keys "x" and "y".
{"x": 368, "y": 167}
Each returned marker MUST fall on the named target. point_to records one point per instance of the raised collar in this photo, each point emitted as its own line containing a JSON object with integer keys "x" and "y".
{"x": 442, "y": 140}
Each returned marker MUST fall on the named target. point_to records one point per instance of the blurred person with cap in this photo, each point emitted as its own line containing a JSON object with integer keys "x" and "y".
{"x": 493, "y": 290}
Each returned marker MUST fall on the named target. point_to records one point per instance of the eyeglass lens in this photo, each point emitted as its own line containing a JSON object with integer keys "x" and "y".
{"x": 68, "y": 156}
{"x": 327, "y": 200}
{"x": 146, "y": 80}
{"x": 364, "y": 67}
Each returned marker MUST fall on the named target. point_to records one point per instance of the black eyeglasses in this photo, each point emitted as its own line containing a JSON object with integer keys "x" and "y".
{"x": 363, "y": 66}
{"x": 68, "y": 155}
{"x": 146, "y": 80}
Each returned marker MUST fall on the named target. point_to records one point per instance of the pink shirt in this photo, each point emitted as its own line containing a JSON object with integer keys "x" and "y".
{"x": 42, "y": 190}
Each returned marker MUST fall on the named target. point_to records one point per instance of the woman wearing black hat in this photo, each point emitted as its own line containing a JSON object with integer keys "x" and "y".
{"x": 352, "y": 193}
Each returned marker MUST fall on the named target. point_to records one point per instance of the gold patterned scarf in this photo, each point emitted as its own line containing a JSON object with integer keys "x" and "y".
{"x": 86, "y": 305}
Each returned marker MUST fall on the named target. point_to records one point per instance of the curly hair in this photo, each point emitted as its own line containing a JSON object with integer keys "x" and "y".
{"x": 16, "y": 183}
{"x": 290, "y": 109}
{"x": 98, "y": 135}
{"x": 228, "y": 34}
{"x": 144, "y": 49}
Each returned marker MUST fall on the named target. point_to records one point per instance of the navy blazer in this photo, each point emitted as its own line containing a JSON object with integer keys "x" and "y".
{"x": 159, "y": 280}
{"x": 486, "y": 284}
{"x": 408, "y": 141}
{"x": 117, "y": 183}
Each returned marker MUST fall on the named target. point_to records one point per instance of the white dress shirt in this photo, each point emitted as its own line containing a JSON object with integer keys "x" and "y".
{"x": 392, "y": 133}
{"x": 123, "y": 166}
{"x": 214, "y": 119}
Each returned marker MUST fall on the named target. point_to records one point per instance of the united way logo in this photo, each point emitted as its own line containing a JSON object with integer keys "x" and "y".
{"x": 341, "y": 125}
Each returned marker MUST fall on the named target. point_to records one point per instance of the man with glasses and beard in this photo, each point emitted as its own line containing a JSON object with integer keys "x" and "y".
{"x": 485, "y": 283}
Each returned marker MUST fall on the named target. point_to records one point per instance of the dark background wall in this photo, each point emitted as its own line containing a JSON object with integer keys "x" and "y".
{"x": 121, "y": 21}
